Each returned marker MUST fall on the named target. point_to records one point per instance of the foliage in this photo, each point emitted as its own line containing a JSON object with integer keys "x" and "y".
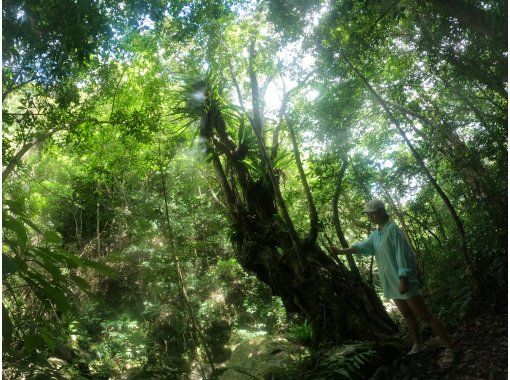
{"x": 346, "y": 362}
{"x": 116, "y": 232}
{"x": 301, "y": 333}
{"x": 47, "y": 270}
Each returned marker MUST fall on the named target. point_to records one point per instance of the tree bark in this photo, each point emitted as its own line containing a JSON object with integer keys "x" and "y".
{"x": 462, "y": 158}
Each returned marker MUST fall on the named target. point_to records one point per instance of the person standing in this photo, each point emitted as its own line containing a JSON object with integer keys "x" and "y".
{"x": 399, "y": 276}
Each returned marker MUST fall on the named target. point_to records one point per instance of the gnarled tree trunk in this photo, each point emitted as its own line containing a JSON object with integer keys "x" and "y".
{"x": 337, "y": 304}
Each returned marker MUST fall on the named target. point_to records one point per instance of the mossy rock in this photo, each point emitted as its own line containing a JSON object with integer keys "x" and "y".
{"x": 264, "y": 357}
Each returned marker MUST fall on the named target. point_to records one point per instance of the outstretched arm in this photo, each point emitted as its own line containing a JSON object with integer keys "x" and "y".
{"x": 342, "y": 251}
{"x": 364, "y": 247}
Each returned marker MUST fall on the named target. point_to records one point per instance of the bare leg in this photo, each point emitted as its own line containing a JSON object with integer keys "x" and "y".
{"x": 420, "y": 310}
{"x": 411, "y": 321}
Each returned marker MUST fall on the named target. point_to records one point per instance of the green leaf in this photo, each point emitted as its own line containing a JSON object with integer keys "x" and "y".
{"x": 70, "y": 259}
{"x": 39, "y": 292}
{"x": 57, "y": 297}
{"x": 51, "y": 268}
{"x": 251, "y": 166}
{"x": 80, "y": 282}
{"x": 47, "y": 336}
{"x": 99, "y": 267}
{"x": 14, "y": 206}
{"x": 7, "y": 329}
{"x": 10, "y": 265}
{"x": 32, "y": 341}
{"x": 17, "y": 227}
{"x": 52, "y": 237}
{"x": 28, "y": 222}
{"x": 49, "y": 263}
{"x": 54, "y": 294}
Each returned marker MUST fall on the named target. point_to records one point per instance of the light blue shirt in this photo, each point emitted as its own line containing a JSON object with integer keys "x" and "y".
{"x": 394, "y": 259}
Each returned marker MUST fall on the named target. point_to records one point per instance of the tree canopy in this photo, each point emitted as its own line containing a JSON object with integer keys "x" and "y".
{"x": 174, "y": 173}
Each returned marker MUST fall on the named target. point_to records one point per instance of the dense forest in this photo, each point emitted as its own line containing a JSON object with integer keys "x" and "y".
{"x": 177, "y": 173}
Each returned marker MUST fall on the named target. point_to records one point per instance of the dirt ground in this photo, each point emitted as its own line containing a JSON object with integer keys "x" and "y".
{"x": 482, "y": 345}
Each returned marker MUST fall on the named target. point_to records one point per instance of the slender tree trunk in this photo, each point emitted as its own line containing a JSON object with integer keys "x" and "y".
{"x": 98, "y": 231}
{"x": 11, "y": 165}
{"x": 281, "y": 114}
{"x": 336, "y": 220}
{"x": 17, "y": 159}
{"x": 14, "y": 87}
{"x": 312, "y": 211}
{"x": 458, "y": 153}
{"x": 471, "y": 271}
{"x": 197, "y": 330}
{"x": 438, "y": 219}
{"x": 276, "y": 131}
{"x": 427, "y": 228}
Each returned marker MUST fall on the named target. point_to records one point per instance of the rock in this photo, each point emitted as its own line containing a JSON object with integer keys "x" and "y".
{"x": 57, "y": 362}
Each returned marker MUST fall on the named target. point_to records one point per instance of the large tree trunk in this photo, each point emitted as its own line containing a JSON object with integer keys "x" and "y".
{"x": 309, "y": 282}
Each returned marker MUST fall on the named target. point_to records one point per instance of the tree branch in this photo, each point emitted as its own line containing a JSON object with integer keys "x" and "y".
{"x": 257, "y": 128}
{"x": 336, "y": 219}
{"x": 312, "y": 211}
{"x": 37, "y": 140}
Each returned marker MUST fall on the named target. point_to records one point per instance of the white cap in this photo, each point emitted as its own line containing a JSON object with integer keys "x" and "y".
{"x": 374, "y": 205}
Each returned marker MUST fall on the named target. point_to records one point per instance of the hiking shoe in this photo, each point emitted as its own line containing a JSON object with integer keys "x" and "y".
{"x": 448, "y": 358}
{"x": 417, "y": 348}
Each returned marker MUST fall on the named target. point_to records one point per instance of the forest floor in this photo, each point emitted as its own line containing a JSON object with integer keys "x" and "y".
{"x": 482, "y": 345}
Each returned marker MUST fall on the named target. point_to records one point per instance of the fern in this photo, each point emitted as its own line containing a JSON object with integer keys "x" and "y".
{"x": 344, "y": 362}
{"x": 36, "y": 259}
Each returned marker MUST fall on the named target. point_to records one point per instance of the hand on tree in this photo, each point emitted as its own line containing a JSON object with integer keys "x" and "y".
{"x": 335, "y": 250}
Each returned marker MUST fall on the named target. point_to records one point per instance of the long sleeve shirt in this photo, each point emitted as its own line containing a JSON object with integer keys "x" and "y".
{"x": 394, "y": 259}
